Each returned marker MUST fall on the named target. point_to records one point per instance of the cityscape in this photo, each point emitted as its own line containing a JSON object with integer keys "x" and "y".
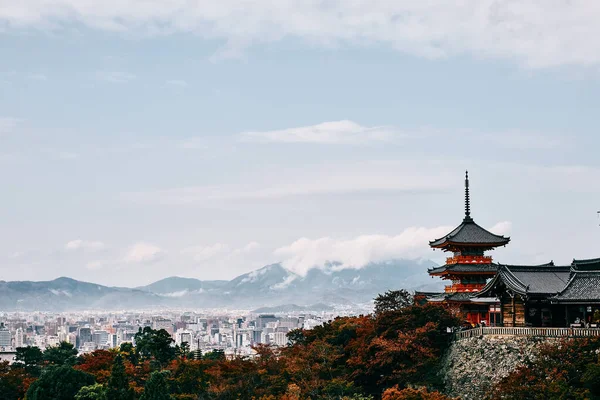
{"x": 232, "y": 332}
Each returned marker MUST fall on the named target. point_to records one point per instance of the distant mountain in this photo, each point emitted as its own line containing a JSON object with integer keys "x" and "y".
{"x": 176, "y": 286}
{"x": 286, "y": 308}
{"x": 270, "y": 286}
{"x": 68, "y": 294}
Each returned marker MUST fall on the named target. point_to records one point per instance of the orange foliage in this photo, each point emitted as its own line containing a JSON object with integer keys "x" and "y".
{"x": 412, "y": 394}
{"x": 98, "y": 363}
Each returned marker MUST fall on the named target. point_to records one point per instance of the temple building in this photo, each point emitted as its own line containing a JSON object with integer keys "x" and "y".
{"x": 468, "y": 268}
{"x": 494, "y": 294}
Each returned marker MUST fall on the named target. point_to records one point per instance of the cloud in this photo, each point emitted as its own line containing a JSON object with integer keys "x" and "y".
{"x": 502, "y": 228}
{"x": 336, "y": 132}
{"x": 305, "y": 254}
{"x": 536, "y": 33}
{"x": 86, "y": 245}
{"x": 115, "y": 76}
{"x": 326, "y": 179}
{"x": 38, "y": 77}
{"x": 143, "y": 253}
{"x": 204, "y": 253}
{"x": 177, "y": 83}
{"x": 8, "y": 124}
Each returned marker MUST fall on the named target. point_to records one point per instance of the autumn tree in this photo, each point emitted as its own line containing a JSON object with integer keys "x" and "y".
{"x": 14, "y": 382}
{"x": 412, "y": 394}
{"x": 569, "y": 369}
{"x": 97, "y": 363}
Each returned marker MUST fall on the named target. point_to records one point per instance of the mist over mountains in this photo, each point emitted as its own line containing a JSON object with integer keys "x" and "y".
{"x": 269, "y": 288}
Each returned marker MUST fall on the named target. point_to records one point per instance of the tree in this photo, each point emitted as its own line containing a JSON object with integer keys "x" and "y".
{"x": 14, "y": 382}
{"x": 30, "y": 358}
{"x": 156, "y": 387}
{"x": 63, "y": 354}
{"x": 155, "y": 344}
{"x": 118, "y": 383}
{"x": 214, "y": 355}
{"x": 393, "y": 300}
{"x": 59, "y": 383}
{"x": 93, "y": 392}
{"x": 97, "y": 363}
{"x": 412, "y": 394}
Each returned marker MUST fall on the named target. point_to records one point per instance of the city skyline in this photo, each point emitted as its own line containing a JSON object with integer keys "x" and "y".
{"x": 138, "y": 143}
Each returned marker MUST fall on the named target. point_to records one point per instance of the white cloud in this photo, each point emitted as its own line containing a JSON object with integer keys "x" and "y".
{"x": 502, "y": 228}
{"x": 304, "y": 254}
{"x": 537, "y": 33}
{"x": 87, "y": 245}
{"x": 115, "y": 76}
{"x": 336, "y": 132}
{"x": 204, "y": 253}
{"x": 8, "y": 124}
{"x": 141, "y": 253}
{"x": 38, "y": 77}
{"x": 408, "y": 176}
{"x": 178, "y": 83}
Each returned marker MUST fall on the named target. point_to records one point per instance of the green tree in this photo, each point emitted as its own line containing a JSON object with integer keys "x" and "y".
{"x": 30, "y": 358}
{"x": 93, "y": 392}
{"x": 59, "y": 383}
{"x": 156, "y": 387}
{"x": 393, "y": 300}
{"x": 63, "y": 354}
{"x": 155, "y": 344}
{"x": 215, "y": 355}
{"x": 183, "y": 351}
{"x": 118, "y": 383}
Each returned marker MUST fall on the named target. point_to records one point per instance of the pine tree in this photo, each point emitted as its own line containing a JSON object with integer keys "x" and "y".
{"x": 156, "y": 387}
{"x": 118, "y": 383}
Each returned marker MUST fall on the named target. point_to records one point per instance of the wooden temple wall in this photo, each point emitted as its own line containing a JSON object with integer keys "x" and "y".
{"x": 513, "y": 310}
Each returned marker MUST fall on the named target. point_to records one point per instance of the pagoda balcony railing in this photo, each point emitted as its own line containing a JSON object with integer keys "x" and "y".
{"x": 469, "y": 260}
{"x": 464, "y": 287}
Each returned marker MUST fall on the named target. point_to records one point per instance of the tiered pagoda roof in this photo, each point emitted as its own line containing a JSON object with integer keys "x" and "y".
{"x": 468, "y": 242}
{"x": 468, "y": 233}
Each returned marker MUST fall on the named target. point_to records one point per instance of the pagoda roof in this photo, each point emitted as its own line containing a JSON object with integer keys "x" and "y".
{"x": 468, "y": 233}
{"x": 544, "y": 279}
{"x": 461, "y": 268}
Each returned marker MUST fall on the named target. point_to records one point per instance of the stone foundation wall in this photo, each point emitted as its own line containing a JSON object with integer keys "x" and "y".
{"x": 472, "y": 366}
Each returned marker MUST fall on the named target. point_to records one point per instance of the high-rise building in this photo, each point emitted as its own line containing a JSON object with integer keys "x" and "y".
{"x": 84, "y": 336}
{"x": 19, "y": 338}
{"x": 100, "y": 338}
{"x": 5, "y": 336}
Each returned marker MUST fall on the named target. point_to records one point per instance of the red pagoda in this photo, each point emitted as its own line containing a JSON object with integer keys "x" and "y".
{"x": 469, "y": 268}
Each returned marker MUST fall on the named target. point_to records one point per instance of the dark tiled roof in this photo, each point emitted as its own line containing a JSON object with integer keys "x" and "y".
{"x": 584, "y": 284}
{"x": 464, "y": 268}
{"x": 545, "y": 279}
{"x": 470, "y": 233}
{"x": 591, "y": 264}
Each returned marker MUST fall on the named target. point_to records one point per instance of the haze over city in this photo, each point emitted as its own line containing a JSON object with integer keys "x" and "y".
{"x": 208, "y": 139}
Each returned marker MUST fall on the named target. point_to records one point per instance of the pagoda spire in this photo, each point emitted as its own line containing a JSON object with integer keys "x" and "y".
{"x": 467, "y": 198}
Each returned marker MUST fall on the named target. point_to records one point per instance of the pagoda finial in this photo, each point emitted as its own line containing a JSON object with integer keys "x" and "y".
{"x": 467, "y": 197}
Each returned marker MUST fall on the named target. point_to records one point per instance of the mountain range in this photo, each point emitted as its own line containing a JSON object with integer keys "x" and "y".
{"x": 272, "y": 287}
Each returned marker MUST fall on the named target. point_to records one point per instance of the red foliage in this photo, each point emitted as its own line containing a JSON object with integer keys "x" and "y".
{"x": 98, "y": 363}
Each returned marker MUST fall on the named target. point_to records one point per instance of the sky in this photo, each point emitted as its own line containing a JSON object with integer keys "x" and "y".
{"x": 146, "y": 139}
